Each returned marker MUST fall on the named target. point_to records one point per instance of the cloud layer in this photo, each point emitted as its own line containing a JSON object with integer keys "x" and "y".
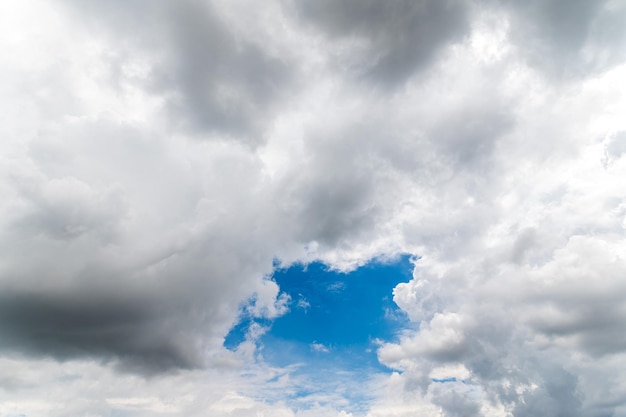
{"x": 159, "y": 158}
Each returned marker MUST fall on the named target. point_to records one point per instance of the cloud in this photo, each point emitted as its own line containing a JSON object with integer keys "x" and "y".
{"x": 318, "y": 347}
{"x": 531, "y": 314}
{"x": 158, "y": 158}
{"x": 387, "y": 42}
{"x": 212, "y": 78}
{"x": 94, "y": 268}
{"x": 615, "y": 147}
{"x": 568, "y": 38}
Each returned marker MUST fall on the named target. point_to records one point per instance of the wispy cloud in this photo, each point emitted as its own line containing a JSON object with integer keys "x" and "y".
{"x": 318, "y": 347}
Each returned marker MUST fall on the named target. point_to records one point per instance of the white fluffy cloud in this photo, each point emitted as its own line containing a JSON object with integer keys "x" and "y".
{"x": 156, "y": 159}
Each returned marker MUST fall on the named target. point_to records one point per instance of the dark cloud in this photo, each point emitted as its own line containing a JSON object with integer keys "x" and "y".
{"x": 336, "y": 205}
{"x": 581, "y": 306}
{"x": 467, "y": 137}
{"x": 455, "y": 404}
{"x": 557, "y": 395}
{"x": 221, "y": 82}
{"x": 568, "y": 38}
{"x": 146, "y": 321}
{"x": 214, "y": 80}
{"x": 128, "y": 330}
{"x": 402, "y": 37}
{"x": 81, "y": 280}
{"x": 523, "y": 244}
{"x": 335, "y": 208}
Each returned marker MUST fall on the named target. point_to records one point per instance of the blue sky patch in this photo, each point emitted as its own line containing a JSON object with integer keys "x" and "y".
{"x": 444, "y": 380}
{"x": 335, "y": 318}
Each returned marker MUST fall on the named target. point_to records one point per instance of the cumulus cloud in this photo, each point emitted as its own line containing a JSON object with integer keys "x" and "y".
{"x": 159, "y": 158}
{"x": 387, "y": 42}
{"x": 213, "y": 76}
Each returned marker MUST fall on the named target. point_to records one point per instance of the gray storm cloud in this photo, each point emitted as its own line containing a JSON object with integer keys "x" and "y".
{"x": 400, "y": 37}
{"x": 158, "y": 157}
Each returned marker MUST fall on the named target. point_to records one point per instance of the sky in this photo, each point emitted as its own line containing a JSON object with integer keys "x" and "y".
{"x": 350, "y": 208}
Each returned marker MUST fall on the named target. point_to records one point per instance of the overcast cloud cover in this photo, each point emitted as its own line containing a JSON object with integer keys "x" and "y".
{"x": 159, "y": 158}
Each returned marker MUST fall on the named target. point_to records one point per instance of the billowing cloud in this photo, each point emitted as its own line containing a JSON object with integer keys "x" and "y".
{"x": 387, "y": 42}
{"x": 215, "y": 77}
{"x": 159, "y": 161}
